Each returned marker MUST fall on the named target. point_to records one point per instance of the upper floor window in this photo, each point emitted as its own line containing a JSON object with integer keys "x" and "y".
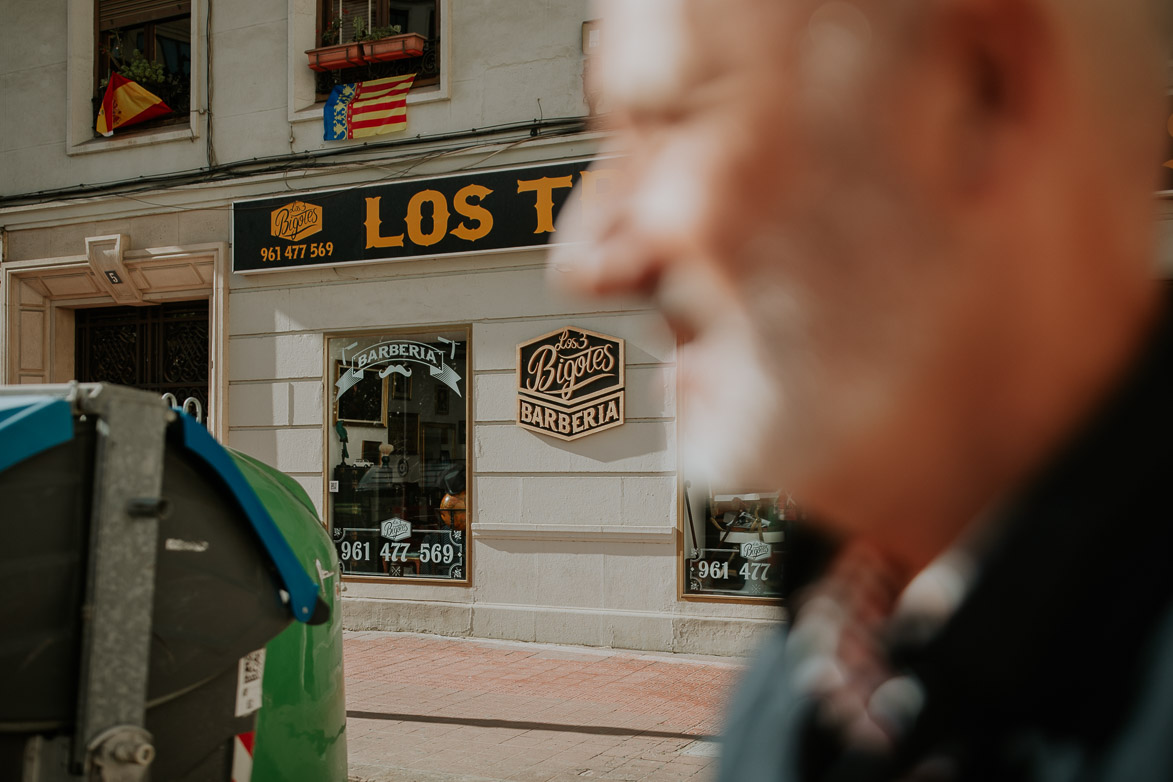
{"x": 148, "y": 42}
{"x": 351, "y": 21}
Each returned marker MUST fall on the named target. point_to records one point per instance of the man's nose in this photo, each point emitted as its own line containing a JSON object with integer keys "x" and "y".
{"x": 600, "y": 252}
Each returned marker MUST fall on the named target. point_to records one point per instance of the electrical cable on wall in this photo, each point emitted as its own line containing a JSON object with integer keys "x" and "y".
{"x": 308, "y": 160}
{"x": 210, "y": 149}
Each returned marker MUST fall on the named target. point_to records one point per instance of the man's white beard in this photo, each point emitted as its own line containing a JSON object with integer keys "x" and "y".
{"x": 730, "y": 419}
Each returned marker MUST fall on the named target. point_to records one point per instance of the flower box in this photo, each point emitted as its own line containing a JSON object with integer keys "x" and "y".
{"x": 333, "y": 58}
{"x": 395, "y": 47}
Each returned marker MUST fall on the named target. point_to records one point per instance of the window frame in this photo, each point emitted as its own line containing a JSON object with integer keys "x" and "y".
{"x": 682, "y": 536}
{"x": 103, "y": 65}
{"x": 303, "y": 103}
{"x": 328, "y": 406}
{"x": 326, "y": 12}
{"x": 81, "y": 80}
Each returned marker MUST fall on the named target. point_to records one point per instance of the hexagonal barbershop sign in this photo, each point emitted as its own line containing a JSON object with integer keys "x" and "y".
{"x": 570, "y": 383}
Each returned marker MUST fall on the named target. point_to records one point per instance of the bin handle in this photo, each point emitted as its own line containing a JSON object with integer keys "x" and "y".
{"x": 170, "y": 399}
{"x": 191, "y": 401}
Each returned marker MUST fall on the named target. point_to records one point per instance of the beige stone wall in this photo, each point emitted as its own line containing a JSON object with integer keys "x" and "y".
{"x": 571, "y": 542}
{"x": 501, "y": 63}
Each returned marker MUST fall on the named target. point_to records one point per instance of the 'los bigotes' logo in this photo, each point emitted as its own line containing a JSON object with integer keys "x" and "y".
{"x": 295, "y": 221}
{"x": 755, "y": 550}
{"x": 395, "y": 529}
{"x": 570, "y": 383}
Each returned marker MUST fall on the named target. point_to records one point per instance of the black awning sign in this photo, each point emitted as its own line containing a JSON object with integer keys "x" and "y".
{"x": 466, "y": 213}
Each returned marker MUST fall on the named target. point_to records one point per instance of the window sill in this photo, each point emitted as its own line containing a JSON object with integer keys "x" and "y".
{"x": 131, "y": 139}
{"x": 428, "y": 95}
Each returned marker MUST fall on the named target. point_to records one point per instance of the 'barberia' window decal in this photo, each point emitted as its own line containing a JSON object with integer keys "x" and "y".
{"x": 392, "y": 357}
{"x": 570, "y": 383}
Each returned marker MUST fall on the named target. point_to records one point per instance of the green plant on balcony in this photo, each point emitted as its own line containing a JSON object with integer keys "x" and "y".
{"x": 380, "y": 44}
{"x": 172, "y": 89}
{"x": 334, "y": 55}
{"x": 361, "y": 33}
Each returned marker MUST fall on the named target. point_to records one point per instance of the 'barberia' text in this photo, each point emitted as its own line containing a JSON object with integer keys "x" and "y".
{"x": 548, "y": 420}
{"x": 393, "y": 356}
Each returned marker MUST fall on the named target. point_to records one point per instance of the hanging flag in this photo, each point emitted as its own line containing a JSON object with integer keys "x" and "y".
{"x": 367, "y": 108}
{"x": 126, "y": 103}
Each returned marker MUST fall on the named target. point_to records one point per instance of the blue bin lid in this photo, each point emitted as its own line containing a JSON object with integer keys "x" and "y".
{"x": 31, "y": 424}
{"x": 303, "y": 591}
{"x": 35, "y": 423}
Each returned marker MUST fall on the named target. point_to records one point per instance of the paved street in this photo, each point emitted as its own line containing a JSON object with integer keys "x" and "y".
{"x": 428, "y": 709}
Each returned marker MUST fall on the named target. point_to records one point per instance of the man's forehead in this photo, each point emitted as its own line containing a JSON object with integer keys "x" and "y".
{"x": 645, "y": 52}
{"x": 655, "y": 51}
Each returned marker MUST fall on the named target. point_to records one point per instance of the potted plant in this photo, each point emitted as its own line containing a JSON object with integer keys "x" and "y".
{"x": 387, "y": 43}
{"x": 335, "y": 56}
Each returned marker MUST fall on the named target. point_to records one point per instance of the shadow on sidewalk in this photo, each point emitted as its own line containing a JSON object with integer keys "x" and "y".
{"x": 603, "y": 730}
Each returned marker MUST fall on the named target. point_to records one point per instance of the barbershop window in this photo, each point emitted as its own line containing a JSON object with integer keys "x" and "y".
{"x": 398, "y": 454}
{"x": 347, "y": 21}
{"x": 148, "y": 42}
{"x": 734, "y": 541}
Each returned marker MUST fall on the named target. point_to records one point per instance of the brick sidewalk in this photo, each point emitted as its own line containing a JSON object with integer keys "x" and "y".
{"x": 429, "y": 709}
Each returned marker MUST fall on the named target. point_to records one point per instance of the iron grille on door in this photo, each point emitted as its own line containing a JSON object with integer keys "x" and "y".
{"x": 162, "y": 348}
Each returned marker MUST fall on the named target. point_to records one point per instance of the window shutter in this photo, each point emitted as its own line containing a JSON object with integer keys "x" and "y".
{"x": 351, "y": 10}
{"x": 121, "y": 13}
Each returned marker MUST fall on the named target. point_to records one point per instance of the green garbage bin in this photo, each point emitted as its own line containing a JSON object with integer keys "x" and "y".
{"x": 140, "y": 576}
{"x": 301, "y": 728}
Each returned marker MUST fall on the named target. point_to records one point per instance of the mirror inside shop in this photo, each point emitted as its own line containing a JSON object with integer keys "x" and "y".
{"x": 398, "y": 454}
{"x": 735, "y": 541}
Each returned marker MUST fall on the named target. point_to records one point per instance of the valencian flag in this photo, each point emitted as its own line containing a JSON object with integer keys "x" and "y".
{"x": 126, "y": 103}
{"x": 367, "y": 108}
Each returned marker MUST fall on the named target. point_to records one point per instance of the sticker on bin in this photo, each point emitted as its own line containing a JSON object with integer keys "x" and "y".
{"x": 242, "y": 756}
{"x": 249, "y": 676}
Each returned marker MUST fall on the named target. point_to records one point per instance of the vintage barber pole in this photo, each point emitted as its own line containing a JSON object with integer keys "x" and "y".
{"x": 570, "y": 383}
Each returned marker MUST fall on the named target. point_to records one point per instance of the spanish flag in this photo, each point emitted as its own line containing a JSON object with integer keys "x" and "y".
{"x": 126, "y": 103}
{"x": 367, "y": 108}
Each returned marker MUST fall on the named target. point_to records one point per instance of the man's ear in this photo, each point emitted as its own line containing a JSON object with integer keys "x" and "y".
{"x": 1000, "y": 56}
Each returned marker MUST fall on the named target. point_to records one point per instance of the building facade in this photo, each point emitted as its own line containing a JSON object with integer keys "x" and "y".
{"x": 370, "y": 314}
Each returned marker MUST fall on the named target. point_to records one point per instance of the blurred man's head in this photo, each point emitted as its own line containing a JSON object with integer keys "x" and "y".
{"x": 905, "y": 245}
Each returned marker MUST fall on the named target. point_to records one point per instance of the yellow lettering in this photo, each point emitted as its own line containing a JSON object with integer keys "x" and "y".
{"x": 373, "y": 224}
{"x": 415, "y": 217}
{"x": 589, "y": 418}
{"x": 544, "y": 202}
{"x": 482, "y": 216}
{"x": 526, "y": 411}
{"x": 551, "y": 419}
{"x": 564, "y": 423}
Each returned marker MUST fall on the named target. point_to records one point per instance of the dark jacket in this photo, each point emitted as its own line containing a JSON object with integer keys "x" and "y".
{"x": 1058, "y": 665}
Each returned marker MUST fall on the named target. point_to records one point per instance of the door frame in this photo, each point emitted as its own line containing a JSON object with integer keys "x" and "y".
{"x": 38, "y": 298}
